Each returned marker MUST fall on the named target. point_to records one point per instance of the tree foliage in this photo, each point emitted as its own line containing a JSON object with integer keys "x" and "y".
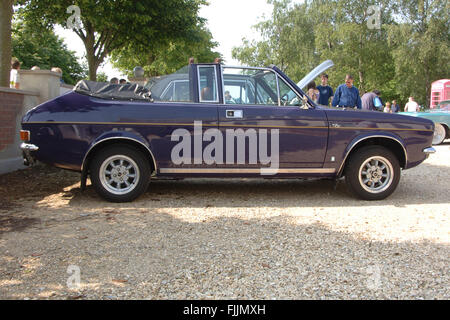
{"x": 168, "y": 57}
{"x": 110, "y": 25}
{"x": 420, "y": 46}
{"x": 42, "y": 48}
{"x": 403, "y": 56}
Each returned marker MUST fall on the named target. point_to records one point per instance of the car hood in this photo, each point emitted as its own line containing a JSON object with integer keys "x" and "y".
{"x": 426, "y": 113}
{"x": 321, "y": 68}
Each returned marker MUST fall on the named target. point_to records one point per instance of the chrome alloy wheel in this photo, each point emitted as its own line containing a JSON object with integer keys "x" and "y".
{"x": 119, "y": 174}
{"x": 376, "y": 174}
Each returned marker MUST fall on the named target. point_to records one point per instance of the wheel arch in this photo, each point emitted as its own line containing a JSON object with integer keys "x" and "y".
{"x": 391, "y": 143}
{"x": 108, "y": 141}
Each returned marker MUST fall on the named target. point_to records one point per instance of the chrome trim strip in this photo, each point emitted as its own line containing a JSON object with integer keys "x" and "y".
{"x": 365, "y": 138}
{"x": 112, "y": 138}
{"x": 242, "y": 170}
{"x": 215, "y": 125}
{"x": 28, "y": 147}
{"x": 429, "y": 150}
{"x": 247, "y": 67}
{"x": 278, "y": 89}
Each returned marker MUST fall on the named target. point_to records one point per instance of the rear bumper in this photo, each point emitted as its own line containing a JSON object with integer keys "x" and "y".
{"x": 27, "y": 148}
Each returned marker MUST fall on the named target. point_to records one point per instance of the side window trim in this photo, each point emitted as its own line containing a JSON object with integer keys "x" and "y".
{"x": 200, "y": 85}
{"x": 253, "y": 68}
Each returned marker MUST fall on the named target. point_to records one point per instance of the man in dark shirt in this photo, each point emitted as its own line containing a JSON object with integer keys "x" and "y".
{"x": 368, "y": 101}
{"x": 326, "y": 92}
{"x": 347, "y": 95}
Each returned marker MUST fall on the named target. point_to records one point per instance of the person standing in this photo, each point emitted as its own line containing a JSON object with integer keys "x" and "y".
{"x": 412, "y": 106}
{"x": 387, "y": 108}
{"x": 371, "y": 101}
{"x": 14, "y": 79}
{"x": 325, "y": 91}
{"x": 395, "y": 107}
{"x": 313, "y": 93}
{"x": 346, "y": 95}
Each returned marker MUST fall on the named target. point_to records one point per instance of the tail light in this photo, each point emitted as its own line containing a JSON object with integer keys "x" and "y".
{"x": 25, "y": 135}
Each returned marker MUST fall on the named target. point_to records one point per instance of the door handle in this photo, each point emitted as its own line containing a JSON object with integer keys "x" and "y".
{"x": 234, "y": 114}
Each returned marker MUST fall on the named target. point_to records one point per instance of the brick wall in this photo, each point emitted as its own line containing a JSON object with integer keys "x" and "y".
{"x": 11, "y": 105}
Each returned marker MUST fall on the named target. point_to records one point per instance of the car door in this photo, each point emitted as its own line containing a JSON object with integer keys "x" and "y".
{"x": 182, "y": 113}
{"x": 261, "y": 107}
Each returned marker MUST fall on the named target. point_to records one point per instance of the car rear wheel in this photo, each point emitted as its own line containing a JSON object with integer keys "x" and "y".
{"x": 372, "y": 173}
{"x": 120, "y": 173}
{"x": 439, "y": 134}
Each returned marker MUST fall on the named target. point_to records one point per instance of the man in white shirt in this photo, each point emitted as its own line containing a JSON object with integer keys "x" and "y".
{"x": 412, "y": 106}
{"x": 14, "y": 79}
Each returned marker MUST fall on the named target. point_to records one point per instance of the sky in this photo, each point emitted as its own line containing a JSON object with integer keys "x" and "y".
{"x": 228, "y": 20}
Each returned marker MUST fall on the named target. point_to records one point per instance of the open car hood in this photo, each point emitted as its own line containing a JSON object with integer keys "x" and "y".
{"x": 315, "y": 73}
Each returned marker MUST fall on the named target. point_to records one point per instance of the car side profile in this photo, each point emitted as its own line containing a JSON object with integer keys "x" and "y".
{"x": 209, "y": 121}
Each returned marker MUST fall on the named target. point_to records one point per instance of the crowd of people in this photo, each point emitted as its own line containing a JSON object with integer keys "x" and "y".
{"x": 14, "y": 78}
{"x": 14, "y": 81}
{"x": 117, "y": 81}
{"x": 347, "y": 96}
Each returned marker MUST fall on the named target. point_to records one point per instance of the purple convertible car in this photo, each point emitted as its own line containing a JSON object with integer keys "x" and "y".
{"x": 209, "y": 121}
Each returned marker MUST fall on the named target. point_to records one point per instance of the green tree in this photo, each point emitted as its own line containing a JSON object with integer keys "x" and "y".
{"x": 354, "y": 36}
{"x": 167, "y": 57}
{"x": 287, "y": 41}
{"x": 110, "y": 25}
{"x": 420, "y": 43}
{"x": 35, "y": 47}
{"x": 401, "y": 56}
{"x": 102, "y": 77}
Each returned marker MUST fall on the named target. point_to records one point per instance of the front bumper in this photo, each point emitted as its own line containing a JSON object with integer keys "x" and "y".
{"x": 429, "y": 150}
{"x": 27, "y": 148}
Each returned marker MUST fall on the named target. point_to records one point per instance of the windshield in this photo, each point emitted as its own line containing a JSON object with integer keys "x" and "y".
{"x": 444, "y": 106}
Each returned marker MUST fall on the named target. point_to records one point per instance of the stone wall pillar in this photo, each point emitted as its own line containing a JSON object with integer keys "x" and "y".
{"x": 46, "y": 83}
{"x": 13, "y": 106}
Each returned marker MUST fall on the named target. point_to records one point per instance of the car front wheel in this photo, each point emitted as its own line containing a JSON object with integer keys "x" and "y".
{"x": 372, "y": 173}
{"x": 120, "y": 173}
{"x": 439, "y": 133}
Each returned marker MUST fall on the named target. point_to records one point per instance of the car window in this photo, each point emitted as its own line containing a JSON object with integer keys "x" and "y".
{"x": 208, "y": 84}
{"x": 250, "y": 86}
{"x": 445, "y": 106}
{"x": 174, "y": 87}
{"x": 287, "y": 95}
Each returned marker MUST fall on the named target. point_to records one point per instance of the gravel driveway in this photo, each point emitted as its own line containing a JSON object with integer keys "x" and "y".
{"x": 225, "y": 239}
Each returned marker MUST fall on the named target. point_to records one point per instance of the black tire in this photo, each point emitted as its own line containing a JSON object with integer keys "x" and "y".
{"x": 366, "y": 178}
{"x": 120, "y": 173}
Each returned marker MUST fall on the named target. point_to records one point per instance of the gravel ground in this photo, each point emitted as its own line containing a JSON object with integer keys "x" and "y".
{"x": 226, "y": 239}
